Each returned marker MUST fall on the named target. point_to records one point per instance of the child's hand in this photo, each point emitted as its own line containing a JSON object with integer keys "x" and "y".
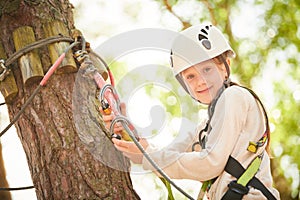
{"x": 130, "y": 150}
{"x": 108, "y": 117}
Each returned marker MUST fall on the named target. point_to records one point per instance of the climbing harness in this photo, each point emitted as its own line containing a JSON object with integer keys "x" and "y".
{"x": 245, "y": 177}
{"x": 237, "y": 189}
{"x": 196, "y": 45}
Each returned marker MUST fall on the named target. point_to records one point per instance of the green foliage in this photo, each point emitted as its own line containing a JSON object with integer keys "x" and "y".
{"x": 270, "y": 58}
{"x": 283, "y": 18}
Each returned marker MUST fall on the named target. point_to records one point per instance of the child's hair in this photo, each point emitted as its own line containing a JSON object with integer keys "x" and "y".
{"x": 219, "y": 60}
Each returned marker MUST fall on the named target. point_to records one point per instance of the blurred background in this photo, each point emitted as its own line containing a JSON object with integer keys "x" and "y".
{"x": 266, "y": 37}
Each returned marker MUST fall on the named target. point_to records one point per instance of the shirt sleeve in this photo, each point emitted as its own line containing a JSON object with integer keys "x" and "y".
{"x": 227, "y": 124}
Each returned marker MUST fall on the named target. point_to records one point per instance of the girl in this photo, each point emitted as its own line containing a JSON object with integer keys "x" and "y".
{"x": 230, "y": 150}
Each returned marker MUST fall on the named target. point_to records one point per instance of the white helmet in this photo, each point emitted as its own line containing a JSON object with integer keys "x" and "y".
{"x": 195, "y": 45}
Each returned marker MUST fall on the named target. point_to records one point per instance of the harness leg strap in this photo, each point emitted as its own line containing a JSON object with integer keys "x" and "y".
{"x": 237, "y": 191}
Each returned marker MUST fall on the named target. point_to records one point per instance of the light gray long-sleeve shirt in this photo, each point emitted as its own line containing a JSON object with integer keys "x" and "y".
{"x": 237, "y": 120}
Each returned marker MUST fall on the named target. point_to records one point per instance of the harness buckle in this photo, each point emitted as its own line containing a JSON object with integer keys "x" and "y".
{"x": 238, "y": 188}
{"x": 252, "y": 147}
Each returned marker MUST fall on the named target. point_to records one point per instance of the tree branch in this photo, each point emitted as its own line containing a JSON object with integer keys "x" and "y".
{"x": 210, "y": 10}
{"x": 185, "y": 24}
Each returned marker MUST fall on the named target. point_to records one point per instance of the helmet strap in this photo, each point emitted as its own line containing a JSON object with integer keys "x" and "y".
{"x": 212, "y": 105}
{"x": 227, "y": 79}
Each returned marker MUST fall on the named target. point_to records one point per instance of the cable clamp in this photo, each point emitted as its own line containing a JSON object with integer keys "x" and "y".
{"x": 3, "y": 70}
{"x": 81, "y": 55}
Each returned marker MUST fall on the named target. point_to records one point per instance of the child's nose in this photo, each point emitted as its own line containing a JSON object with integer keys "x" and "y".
{"x": 200, "y": 79}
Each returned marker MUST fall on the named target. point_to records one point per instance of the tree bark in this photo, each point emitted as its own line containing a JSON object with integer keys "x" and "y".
{"x": 61, "y": 163}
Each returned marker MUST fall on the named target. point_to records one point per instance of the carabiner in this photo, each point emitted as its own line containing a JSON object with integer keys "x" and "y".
{"x": 3, "y": 70}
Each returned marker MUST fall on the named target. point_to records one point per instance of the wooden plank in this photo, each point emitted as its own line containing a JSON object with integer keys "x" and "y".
{"x": 30, "y": 64}
{"x": 8, "y": 86}
{"x": 55, "y": 50}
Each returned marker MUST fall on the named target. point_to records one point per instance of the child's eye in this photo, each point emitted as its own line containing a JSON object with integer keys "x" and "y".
{"x": 206, "y": 69}
{"x": 190, "y": 76}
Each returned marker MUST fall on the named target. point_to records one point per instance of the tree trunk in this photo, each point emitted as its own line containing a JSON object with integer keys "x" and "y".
{"x": 62, "y": 165}
{"x": 4, "y": 195}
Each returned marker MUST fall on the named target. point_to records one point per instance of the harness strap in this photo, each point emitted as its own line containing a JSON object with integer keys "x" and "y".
{"x": 236, "y": 191}
{"x": 250, "y": 172}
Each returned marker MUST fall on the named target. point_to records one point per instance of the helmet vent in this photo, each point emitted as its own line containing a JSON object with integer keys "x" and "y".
{"x": 203, "y": 38}
{"x": 204, "y": 31}
{"x": 171, "y": 59}
{"x": 204, "y": 41}
{"x": 206, "y": 44}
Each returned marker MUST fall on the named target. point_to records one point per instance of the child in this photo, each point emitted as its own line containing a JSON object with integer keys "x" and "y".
{"x": 230, "y": 151}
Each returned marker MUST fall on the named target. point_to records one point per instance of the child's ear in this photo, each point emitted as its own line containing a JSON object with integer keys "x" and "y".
{"x": 228, "y": 61}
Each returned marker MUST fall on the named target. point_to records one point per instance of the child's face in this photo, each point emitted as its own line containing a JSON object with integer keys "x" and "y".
{"x": 204, "y": 80}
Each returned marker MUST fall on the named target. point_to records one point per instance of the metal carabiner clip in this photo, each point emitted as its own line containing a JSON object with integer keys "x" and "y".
{"x": 194, "y": 145}
{"x": 201, "y": 142}
{"x": 3, "y": 70}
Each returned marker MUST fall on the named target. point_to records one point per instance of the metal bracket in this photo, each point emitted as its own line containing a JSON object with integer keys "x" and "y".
{"x": 81, "y": 55}
{"x": 3, "y": 70}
